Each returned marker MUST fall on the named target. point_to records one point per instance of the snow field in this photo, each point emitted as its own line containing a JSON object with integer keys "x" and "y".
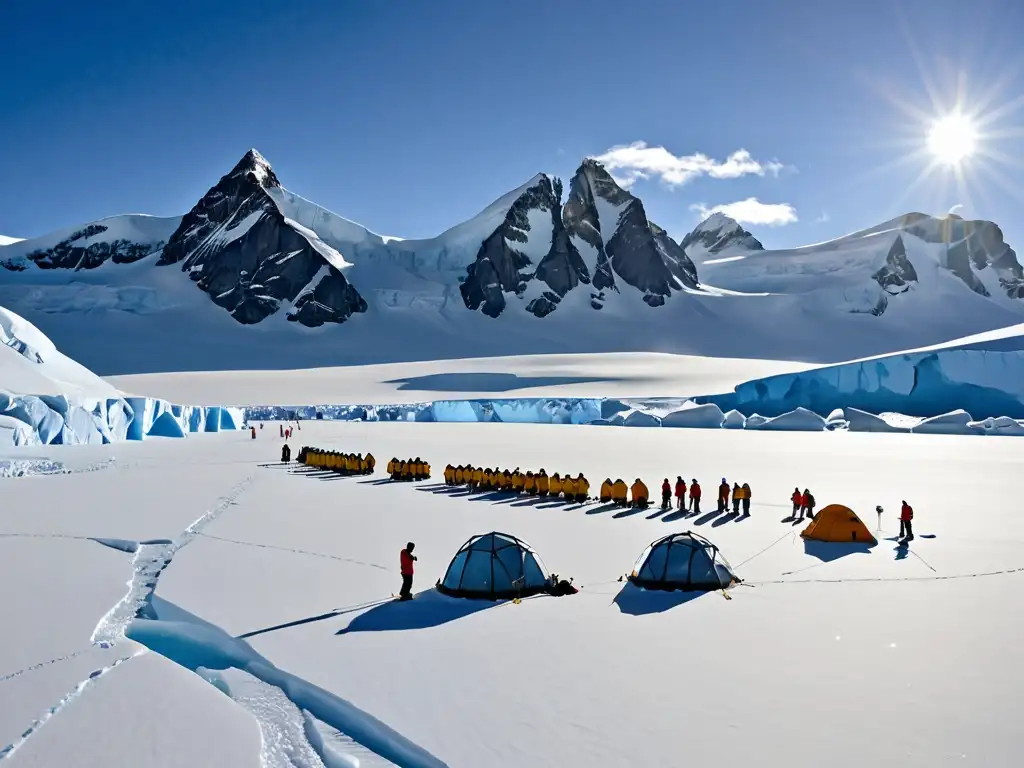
{"x": 869, "y": 657}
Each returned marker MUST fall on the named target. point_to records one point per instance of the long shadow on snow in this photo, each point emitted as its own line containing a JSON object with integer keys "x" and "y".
{"x": 600, "y": 509}
{"x": 491, "y": 382}
{"x": 828, "y": 551}
{"x": 634, "y": 601}
{"x": 427, "y": 609}
{"x": 313, "y": 619}
{"x": 629, "y": 512}
{"x": 703, "y": 520}
{"x": 728, "y": 517}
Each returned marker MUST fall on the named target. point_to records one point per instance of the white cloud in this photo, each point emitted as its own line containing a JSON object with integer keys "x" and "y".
{"x": 752, "y": 211}
{"x": 629, "y": 162}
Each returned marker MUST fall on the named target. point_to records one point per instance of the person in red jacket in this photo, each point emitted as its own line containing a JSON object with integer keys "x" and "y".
{"x": 906, "y": 522}
{"x": 680, "y": 492}
{"x": 798, "y": 501}
{"x": 695, "y": 493}
{"x": 666, "y": 494}
{"x": 407, "y": 559}
{"x": 723, "y": 496}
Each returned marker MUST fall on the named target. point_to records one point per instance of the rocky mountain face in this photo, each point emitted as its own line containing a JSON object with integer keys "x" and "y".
{"x": 87, "y": 247}
{"x": 538, "y": 249}
{"x": 612, "y": 224}
{"x": 718, "y": 234}
{"x": 971, "y": 246}
{"x": 238, "y": 247}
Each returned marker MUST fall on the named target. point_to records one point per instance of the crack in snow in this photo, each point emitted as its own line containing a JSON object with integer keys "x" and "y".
{"x": 148, "y": 564}
{"x": 42, "y": 664}
{"x": 68, "y": 698}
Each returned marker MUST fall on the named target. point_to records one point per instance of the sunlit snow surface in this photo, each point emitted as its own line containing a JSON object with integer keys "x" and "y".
{"x": 273, "y": 639}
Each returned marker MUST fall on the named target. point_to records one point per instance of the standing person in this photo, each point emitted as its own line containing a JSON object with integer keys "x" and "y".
{"x": 286, "y": 454}
{"x": 253, "y": 430}
{"x": 798, "y": 502}
{"x": 878, "y": 509}
{"x": 746, "y": 500}
{"x": 807, "y": 504}
{"x": 695, "y": 494}
{"x": 407, "y": 558}
{"x": 281, "y": 428}
{"x": 723, "y": 496}
{"x": 680, "y": 492}
{"x": 666, "y": 495}
{"x": 906, "y": 522}
{"x": 737, "y": 497}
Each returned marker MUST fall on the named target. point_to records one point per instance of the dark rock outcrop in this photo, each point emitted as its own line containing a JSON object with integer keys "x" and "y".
{"x": 630, "y": 248}
{"x": 85, "y": 248}
{"x": 971, "y": 246}
{"x": 898, "y": 273}
{"x": 503, "y": 267}
{"x": 236, "y": 245}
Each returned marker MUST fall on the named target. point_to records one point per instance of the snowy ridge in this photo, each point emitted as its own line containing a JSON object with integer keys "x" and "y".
{"x": 256, "y": 252}
{"x": 6, "y": 240}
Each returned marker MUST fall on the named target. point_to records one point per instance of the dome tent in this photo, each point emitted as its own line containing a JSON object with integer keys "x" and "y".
{"x": 494, "y": 566}
{"x": 838, "y": 523}
{"x": 683, "y": 561}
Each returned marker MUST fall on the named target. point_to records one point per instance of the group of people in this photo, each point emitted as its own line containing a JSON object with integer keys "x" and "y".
{"x": 409, "y": 470}
{"x": 617, "y": 493}
{"x": 530, "y": 483}
{"x": 803, "y": 504}
{"x": 343, "y": 463}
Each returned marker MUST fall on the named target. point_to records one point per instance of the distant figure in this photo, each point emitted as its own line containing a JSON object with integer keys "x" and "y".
{"x": 286, "y": 454}
{"x": 281, "y": 428}
{"x": 253, "y": 431}
{"x": 680, "y": 492}
{"x": 798, "y": 502}
{"x": 666, "y": 495}
{"x": 807, "y": 504}
{"x": 906, "y": 522}
{"x": 737, "y": 497}
{"x": 695, "y": 494}
{"x": 879, "y": 510}
{"x": 746, "y": 500}
{"x": 261, "y": 426}
{"x": 407, "y": 559}
{"x": 723, "y": 496}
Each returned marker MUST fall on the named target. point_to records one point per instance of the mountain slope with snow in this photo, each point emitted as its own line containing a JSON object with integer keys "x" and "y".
{"x": 718, "y": 235}
{"x": 6, "y": 240}
{"x": 257, "y": 277}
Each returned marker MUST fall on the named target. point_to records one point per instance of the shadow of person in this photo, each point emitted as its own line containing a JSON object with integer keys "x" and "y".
{"x": 427, "y": 609}
{"x": 636, "y": 601}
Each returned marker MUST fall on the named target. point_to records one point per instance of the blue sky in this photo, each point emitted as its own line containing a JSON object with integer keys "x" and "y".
{"x": 411, "y": 116}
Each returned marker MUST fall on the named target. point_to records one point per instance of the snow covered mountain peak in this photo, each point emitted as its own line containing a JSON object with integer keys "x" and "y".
{"x": 256, "y": 164}
{"x": 718, "y": 235}
{"x": 5, "y": 240}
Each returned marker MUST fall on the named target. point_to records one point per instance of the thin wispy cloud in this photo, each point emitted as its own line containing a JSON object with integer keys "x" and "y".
{"x": 823, "y": 218}
{"x": 752, "y": 211}
{"x": 629, "y": 162}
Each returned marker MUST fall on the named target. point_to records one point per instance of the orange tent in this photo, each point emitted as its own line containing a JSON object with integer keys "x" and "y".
{"x": 838, "y": 523}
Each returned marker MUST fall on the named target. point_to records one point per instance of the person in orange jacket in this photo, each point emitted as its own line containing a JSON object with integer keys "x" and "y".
{"x": 680, "y": 492}
{"x": 807, "y": 504}
{"x": 798, "y": 501}
{"x": 906, "y": 523}
{"x": 737, "y": 497}
{"x": 746, "y": 500}
{"x": 695, "y": 493}
{"x": 666, "y": 494}
{"x": 640, "y": 494}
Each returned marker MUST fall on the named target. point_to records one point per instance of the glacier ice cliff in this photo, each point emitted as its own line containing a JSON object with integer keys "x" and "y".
{"x": 74, "y": 420}
{"x": 984, "y": 377}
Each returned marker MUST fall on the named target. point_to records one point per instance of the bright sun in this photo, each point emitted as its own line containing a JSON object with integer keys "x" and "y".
{"x": 952, "y": 139}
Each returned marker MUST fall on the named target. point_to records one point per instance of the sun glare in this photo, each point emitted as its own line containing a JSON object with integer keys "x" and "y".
{"x": 952, "y": 139}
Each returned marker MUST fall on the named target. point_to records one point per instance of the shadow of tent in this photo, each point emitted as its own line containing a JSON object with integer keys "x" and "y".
{"x": 827, "y": 551}
{"x": 428, "y": 609}
{"x": 635, "y": 601}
